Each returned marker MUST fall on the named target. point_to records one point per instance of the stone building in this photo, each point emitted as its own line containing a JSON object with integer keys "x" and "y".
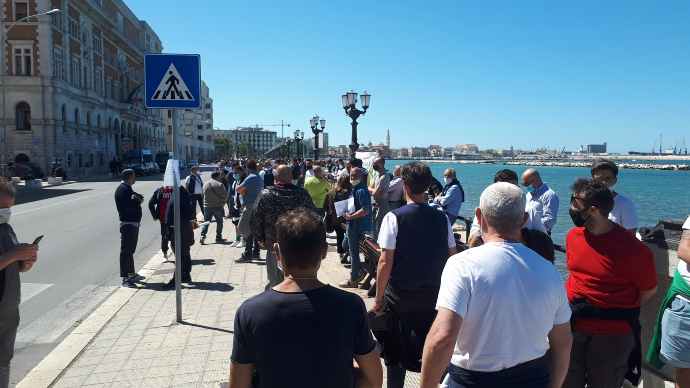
{"x": 72, "y": 84}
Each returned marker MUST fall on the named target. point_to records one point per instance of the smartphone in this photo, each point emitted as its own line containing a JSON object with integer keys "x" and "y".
{"x": 37, "y": 240}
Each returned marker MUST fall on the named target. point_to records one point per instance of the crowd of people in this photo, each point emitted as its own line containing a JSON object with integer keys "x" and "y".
{"x": 491, "y": 311}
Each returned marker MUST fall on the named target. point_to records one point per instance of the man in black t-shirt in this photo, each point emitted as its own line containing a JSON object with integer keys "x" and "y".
{"x": 303, "y": 333}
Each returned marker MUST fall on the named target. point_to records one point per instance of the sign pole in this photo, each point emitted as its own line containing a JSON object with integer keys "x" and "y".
{"x": 178, "y": 235}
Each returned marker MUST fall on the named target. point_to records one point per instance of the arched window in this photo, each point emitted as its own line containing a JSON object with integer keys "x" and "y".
{"x": 76, "y": 116}
{"x": 23, "y": 116}
{"x": 63, "y": 117}
{"x": 88, "y": 119}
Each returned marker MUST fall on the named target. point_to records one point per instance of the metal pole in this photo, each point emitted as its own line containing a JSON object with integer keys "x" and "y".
{"x": 178, "y": 235}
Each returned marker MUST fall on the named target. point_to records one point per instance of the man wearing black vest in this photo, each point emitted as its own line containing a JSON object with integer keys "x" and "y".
{"x": 128, "y": 204}
{"x": 195, "y": 187}
{"x": 416, "y": 240}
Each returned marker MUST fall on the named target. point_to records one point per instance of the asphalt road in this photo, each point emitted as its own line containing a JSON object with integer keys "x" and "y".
{"x": 78, "y": 263}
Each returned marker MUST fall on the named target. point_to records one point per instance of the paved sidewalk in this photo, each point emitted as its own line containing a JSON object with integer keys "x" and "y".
{"x": 143, "y": 346}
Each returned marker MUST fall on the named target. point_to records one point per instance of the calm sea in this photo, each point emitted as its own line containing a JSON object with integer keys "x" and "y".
{"x": 657, "y": 194}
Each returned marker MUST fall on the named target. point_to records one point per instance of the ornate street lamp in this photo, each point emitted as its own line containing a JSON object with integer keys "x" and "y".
{"x": 299, "y": 136}
{"x": 314, "y": 123}
{"x": 349, "y": 100}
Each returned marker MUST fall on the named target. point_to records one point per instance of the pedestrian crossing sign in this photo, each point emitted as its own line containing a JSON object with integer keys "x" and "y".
{"x": 172, "y": 81}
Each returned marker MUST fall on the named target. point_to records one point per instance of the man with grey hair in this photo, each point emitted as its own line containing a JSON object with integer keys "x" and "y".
{"x": 541, "y": 194}
{"x": 501, "y": 308}
{"x": 395, "y": 189}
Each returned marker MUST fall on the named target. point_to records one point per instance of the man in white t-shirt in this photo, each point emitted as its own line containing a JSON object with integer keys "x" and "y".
{"x": 624, "y": 214}
{"x": 533, "y": 209}
{"x": 501, "y": 308}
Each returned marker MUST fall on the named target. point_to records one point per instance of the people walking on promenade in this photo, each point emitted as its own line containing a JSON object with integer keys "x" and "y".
{"x": 501, "y": 308}
{"x": 540, "y": 192}
{"x": 158, "y": 206}
{"x": 395, "y": 189}
{"x": 532, "y": 209}
{"x": 317, "y": 186}
{"x": 195, "y": 187}
{"x": 671, "y": 341}
{"x": 452, "y": 197}
{"x": 324, "y": 329}
{"x": 14, "y": 259}
{"x": 274, "y": 202}
{"x": 379, "y": 193}
{"x": 358, "y": 223}
{"x": 187, "y": 221}
{"x": 341, "y": 192}
{"x": 215, "y": 197}
{"x": 250, "y": 190}
{"x": 611, "y": 274}
{"x": 623, "y": 213}
{"x": 128, "y": 203}
{"x": 416, "y": 240}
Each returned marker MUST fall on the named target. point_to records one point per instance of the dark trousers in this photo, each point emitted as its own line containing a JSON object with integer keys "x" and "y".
{"x": 165, "y": 242}
{"x": 186, "y": 256}
{"x": 197, "y": 199}
{"x": 532, "y": 374}
{"x": 599, "y": 361}
{"x": 395, "y": 376}
{"x": 251, "y": 245}
{"x": 129, "y": 236}
{"x": 340, "y": 235}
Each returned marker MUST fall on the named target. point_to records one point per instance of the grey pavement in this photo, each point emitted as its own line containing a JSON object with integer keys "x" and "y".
{"x": 141, "y": 345}
{"x": 78, "y": 260}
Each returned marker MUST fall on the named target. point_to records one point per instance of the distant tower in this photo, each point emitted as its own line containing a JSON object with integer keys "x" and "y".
{"x": 388, "y": 138}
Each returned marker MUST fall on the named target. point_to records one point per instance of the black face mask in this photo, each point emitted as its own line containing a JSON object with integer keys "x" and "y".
{"x": 578, "y": 217}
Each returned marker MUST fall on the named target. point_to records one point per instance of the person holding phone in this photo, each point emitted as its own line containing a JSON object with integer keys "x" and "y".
{"x": 14, "y": 258}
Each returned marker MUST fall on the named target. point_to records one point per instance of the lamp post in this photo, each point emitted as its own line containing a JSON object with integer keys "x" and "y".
{"x": 3, "y": 138}
{"x": 299, "y": 136}
{"x": 350, "y": 106}
{"x": 314, "y": 123}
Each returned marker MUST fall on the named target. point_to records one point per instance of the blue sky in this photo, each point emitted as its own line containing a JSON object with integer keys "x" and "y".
{"x": 494, "y": 73}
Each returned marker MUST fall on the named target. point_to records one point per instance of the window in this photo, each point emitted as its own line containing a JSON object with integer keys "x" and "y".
{"x": 97, "y": 45}
{"x": 59, "y": 64}
{"x": 169, "y": 129}
{"x": 76, "y": 117}
{"x": 57, "y": 21}
{"x": 23, "y": 116}
{"x": 88, "y": 119}
{"x": 108, "y": 87}
{"x": 73, "y": 27}
{"x": 98, "y": 121}
{"x": 169, "y": 114}
{"x": 21, "y": 10}
{"x": 75, "y": 71}
{"x": 22, "y": 60}
{"x": 98, "y": 80}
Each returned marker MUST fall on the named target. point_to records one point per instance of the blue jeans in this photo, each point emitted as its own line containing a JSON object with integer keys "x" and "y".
{"x": 675, "y": 339}
{"x": 354, "y": 235}
{"x": 211, "y": 213}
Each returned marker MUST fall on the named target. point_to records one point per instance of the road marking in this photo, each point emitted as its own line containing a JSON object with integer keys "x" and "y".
{"x": 57, "y": 203}
{"x": 53, "y": 324}
{"x": 29, "y": 290}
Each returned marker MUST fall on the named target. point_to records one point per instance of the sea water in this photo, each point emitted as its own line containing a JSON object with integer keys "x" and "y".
{"x": 657, "y": 194}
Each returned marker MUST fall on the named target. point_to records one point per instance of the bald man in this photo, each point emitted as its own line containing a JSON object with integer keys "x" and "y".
{"x": 275, "y": 201}
{"x": 539, "y": 194}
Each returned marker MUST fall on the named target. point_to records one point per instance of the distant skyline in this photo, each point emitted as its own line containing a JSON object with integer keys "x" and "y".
{"x": 529, "y": 74}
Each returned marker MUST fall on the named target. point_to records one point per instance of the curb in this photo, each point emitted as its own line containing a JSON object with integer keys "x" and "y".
{"x": 52, "y": 366}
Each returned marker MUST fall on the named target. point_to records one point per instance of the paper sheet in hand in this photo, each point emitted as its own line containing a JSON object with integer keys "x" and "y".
{"x": 341, "y": 207}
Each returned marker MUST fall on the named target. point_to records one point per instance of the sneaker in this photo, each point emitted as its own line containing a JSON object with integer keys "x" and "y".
{"x": 256, "y": 255}
{"x": 128, "y": 283}
{"x": 220, "y": 240}
{"x": 348, "y": 284}
{"x": 244, "y": 259}
{"x": 170, "y": 285}
{"x": 135, "y": 276}
{"x": 240, "y": 244}
{"x": 186, "y": 279}
{"x": 361, "y": 275}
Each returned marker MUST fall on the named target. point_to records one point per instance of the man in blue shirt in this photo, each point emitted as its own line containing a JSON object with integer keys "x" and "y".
{"x": 249, "y": 191}
{"x": 359, "y": 223}
{"x": 452, "y": 197}
{"x": 538, "y": 191}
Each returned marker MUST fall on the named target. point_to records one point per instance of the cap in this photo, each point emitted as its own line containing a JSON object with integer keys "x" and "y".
{"x": 126, "y": 173}
{"x": 601, "y": 163}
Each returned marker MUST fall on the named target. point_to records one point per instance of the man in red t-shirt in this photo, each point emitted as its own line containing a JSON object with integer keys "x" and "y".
{"x": 610, "y": 269}
{"x": 158, "y": 204}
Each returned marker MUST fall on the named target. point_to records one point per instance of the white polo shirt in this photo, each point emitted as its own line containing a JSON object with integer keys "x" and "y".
{"x": 623, "y": 212}
{"x": 509, "y": 298}
{"x": 682, "y": 265}
{"x": 534, "y": 210}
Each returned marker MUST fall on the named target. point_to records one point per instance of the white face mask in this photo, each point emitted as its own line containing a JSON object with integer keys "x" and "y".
{"x": 5, "y": 214}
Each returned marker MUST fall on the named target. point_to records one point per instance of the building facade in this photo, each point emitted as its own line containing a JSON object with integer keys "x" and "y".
{"x": 72, "y": 84}
{"x": 249, "y": 141}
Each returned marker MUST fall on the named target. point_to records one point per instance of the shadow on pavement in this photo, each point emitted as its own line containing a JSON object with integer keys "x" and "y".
{"x": 204, "y": 286}
{"x": 203, "y": 262}
{"x": 206, "y": 327}
{"x": 31, "y": 195}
